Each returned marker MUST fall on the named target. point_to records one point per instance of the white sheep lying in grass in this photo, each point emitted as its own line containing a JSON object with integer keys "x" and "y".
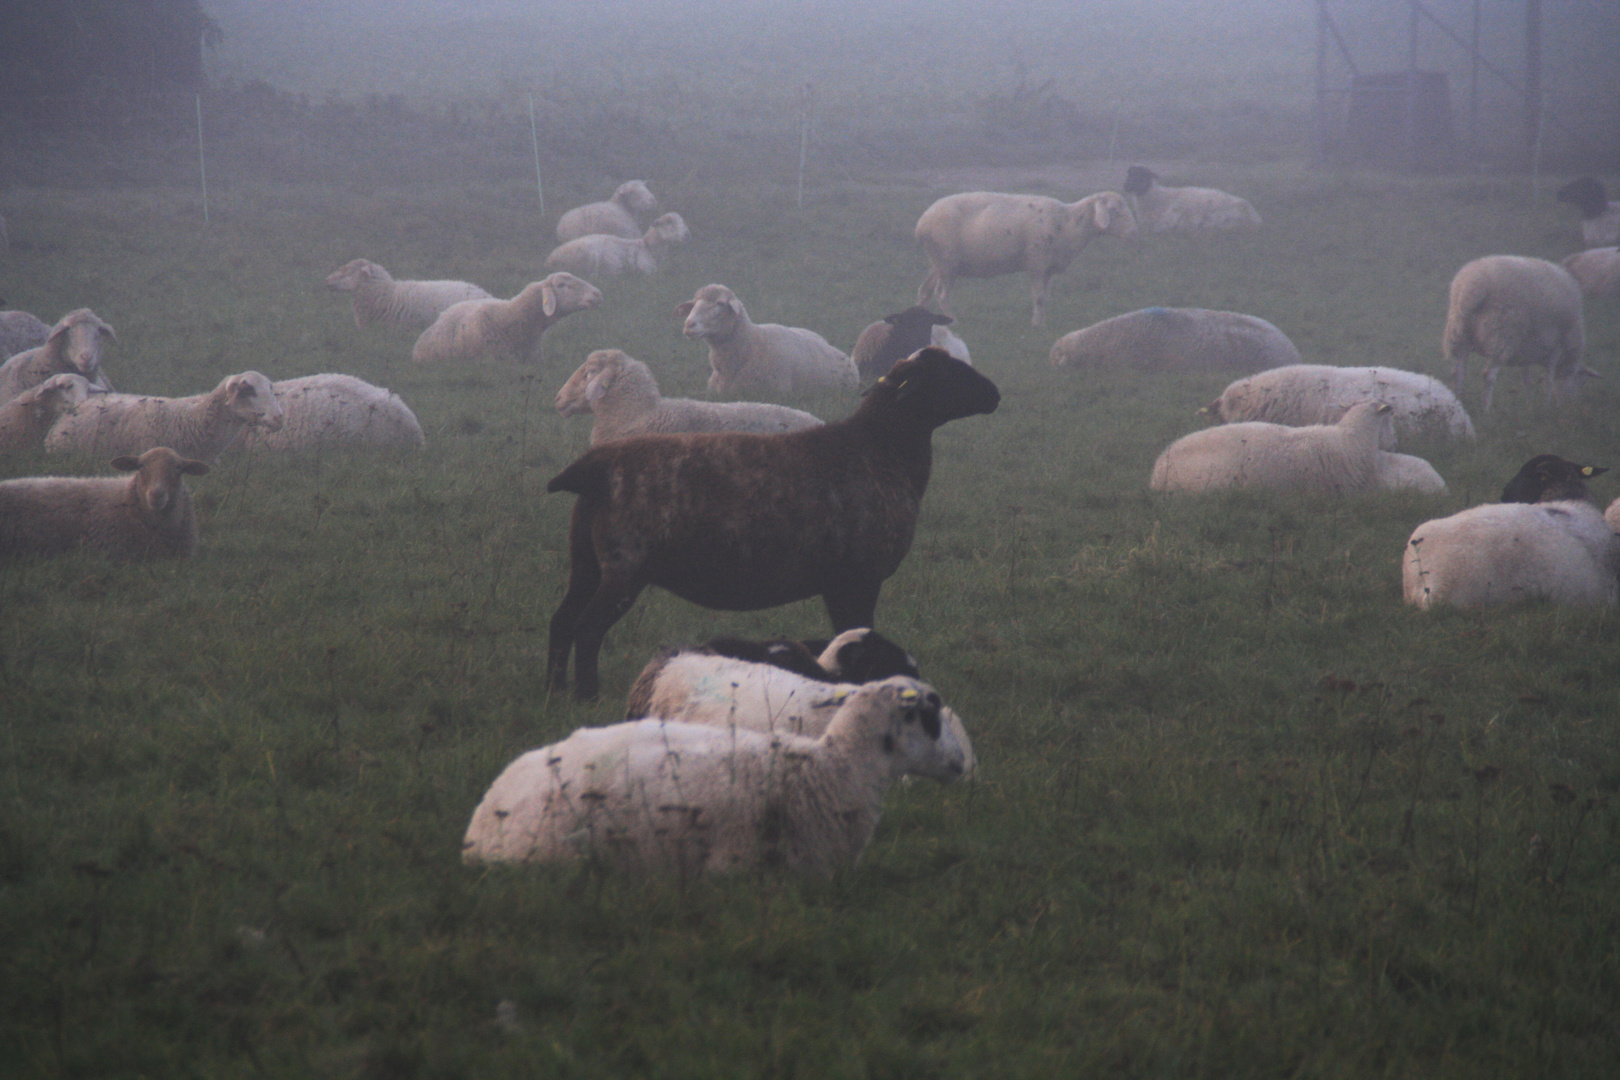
{"x": 200, "y": 426}
{"x": 149, "y": 515}
{"x": 1596, "y": 271}
{"x": 408, "y": 305}
{"x": 1315, "y": 394}
{"x": 660, "y": 796}
{"x": 1405, "y": 472}
{"x": 73, "y": 347}
{"x": 618, "y": 216}
{"x": 21, "y": 331}
{"x": 747, "y": 356}
{"x": 510, "y": 330}
{"x": 601, "y": 255}
{"x": 1516, "y": 312}
{"x": 623, "y": 394}
{"x": 1177, "y": 339}
{"x": 332, "y": 410}
{"x": 26, "y": 418}
{"x": 1184, "y": 209}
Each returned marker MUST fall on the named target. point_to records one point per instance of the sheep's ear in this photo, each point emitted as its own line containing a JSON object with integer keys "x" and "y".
{"x": 596, "y": 387}
{"x": 193, "y": 468}
{"x": 1101, "y": 214}
{"x": 942, "y": 320}
{"x": 126, "y": 463}
{"x": 105, "y": 329}
{"x": 736, "y": 307}
{"x": 1384, "y": 408}
{"x": 683, "y": 310}
{"x": 548, "y": 300}
{"x": 241, "y": 388}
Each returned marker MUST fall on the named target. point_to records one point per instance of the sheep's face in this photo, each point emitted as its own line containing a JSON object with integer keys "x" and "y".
{"x": 713, "y": 313}
{"x": 1139, "y": 180}
{"x": 919, "y": 736}
{"x": 669, "y": 229}
{"x": 636, "y": 198}
{"x": 1586, "y": 194}
{"x": 563, "y": 293}
{"x": 251, "y": 397}
{"x": 1110, "y": 214}
{"x": 78, "y": 339}
{"x": 159, "y": 478}
{"x": 935, "y": 387}
{"x": 348, "y": 277}
{"x": 56, "y": 395}
{"x": 590, "y": 383}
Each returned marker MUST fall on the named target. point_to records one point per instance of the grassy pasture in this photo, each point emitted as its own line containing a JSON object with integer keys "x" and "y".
{"x": 1239, "y": 812}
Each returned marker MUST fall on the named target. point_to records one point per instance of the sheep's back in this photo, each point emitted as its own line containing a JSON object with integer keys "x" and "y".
{"x": 1177, "y": 339}
{"x": 1563, "y": 552}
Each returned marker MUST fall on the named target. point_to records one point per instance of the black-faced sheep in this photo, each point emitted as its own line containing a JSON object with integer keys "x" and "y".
{"x": 1550, "y": 478}
{"x": 891, "y": 339}
{"x": 73, "y": 347}
{"x": 618, "y": 216}
{"x": 1516, "y": 312}
{"x": 408, "y": 305}
{"x": 147, "y": 516}
{"x": 1600, "y": 218}
{"x": 1184, "y": 209}
{"x": 1177, "y": 339}
{"x": 510, "y": 330}
{"x": 750, "y": 357}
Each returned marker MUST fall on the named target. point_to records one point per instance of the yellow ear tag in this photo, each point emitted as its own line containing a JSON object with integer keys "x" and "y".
{"x": 841, "y": 697}
{"x": 909, "y": 695}
{"x": 1586, "y": 470}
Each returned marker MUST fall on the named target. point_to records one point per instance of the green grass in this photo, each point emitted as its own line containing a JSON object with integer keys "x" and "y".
{"x": 1236, "y": 812}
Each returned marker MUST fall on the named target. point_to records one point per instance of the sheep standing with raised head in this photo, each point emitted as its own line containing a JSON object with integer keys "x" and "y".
{"x": 200, "y": 426}
{"x": 147, "y": 516}
{"x": 21, "y": 331}
{"x": 1159, "y": 339}
{"x": 408, "y": 305}
{"x": 1315, "y": 394}
{"x": 980, "y": 234}
{"x": 742, "y": 522}
{"x": 1600, "y": 218}
{"x": 658, "y": 796}
{"x": 892, "y": 338}
{"x": 601, "y": 255}
{"x": 1160, "y": 209}
{"x": 623, "y": 394}
{"x": 330, "y": 411}
{"x": 73, "y": 347}
{"x": 1516, "y": 312}
{"x": 750, "y": 357}
{"x": 26, "y": 418}
{"x": 509, "y": 330}
{"x": 1596, "y": 271}
{"x": 619, "y": 216}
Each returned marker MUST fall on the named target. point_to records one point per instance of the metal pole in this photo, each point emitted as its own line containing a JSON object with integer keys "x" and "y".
{"x": 1473, "y": 84}
{"x": 1532, "y": 78}
{"x": 202, "y": 162}
{"x": 1410, "y": 124}
{"x": 1321, "y": 83}
{"x": 534, "y": 140}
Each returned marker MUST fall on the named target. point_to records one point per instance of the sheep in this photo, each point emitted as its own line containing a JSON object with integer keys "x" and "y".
{"x": 1550, "y": 478}
{"x": 623, "y": 394}
{"x": 665, "y": 797}
{"x": 741, "y": 522}
{"x": 1612, "y": 515}
{"x": 1403, "y": 472}
{"x": 985, "y": 234}
{"x": 149, "y": 515}
{"x": 1596, "y": 271}
{"x": 200, "y": 426}
{"x": 1184, "y": 209}
{"x": 26, "y": 418}
{"x": 617, "y": 216}
{"x": 765, "y": 357}
{"x": 602, "y": 255}
{"x": 895, "y": 337}
{"x": 333, "y": 410}
{"x": 73, "y": 347}
{"x": 1159, "y": 339}
{"x": 21, "y": 331}
{"x": 407, "y": 305}
{"x": 1516, "y": 312}
{"x": 1600, "y": 218}
{"x": 509, "y": 330}
{"x": 1316, "y": 394}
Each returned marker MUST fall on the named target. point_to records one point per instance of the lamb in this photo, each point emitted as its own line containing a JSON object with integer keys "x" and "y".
{"x": 602, "y": 255}
{"x": 1159, "y": 339}
{"x": 20, "y": 331}
{"x": 509, "y": 330}
{"x": 895, "y": 337}
{"x": 73, "y": 347}
{"x": 26, "y": 418}
{"x": 985, "y": 234}
{"x": 1596, "y": 271}
{"x": 623, "y": 394}
{"x": 749, "y": 357}
{"x": 659, "y": 796}
{"x": 617, "y": 216}
{"x": 1184, "y": 209}
{"x": 1516, "y": 312}
{"x": 332, "y": 410}
{"x": 1600, "y": 218}
{"x": 1315, "y": 394}
{"x": 407, "y": 305}
{"x": 741, "y": 522}
{"x": 200, "y": 426}
{"x": 146, "y": 516}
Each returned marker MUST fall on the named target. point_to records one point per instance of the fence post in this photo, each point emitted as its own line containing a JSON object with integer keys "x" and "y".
{"x": 202, "y": 162}
{"x": 534, "y": 140}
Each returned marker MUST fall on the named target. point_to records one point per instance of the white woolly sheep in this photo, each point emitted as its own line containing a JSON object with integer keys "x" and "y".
{"x": 623, "y": 394}
{"x": 618, "y": 216}
{"x": 1184, "y": 209}
{"x": 601, "y": 255}
{"x": 510, "y": 330}
{"x": 658, "y": 796}
{"x": 149, "y": 515}
{"x": 894, "y": 337}
{"x": 980, "y": 234}
{"x": 26, "y": 418}
{"x": 332, "y": 410}
{"x": 1177, "y": 339}
{"x": 21, "y": 331}
{"x": 1612, "y": 515}
{"x": 1600, "y": 218}
{"x": 1316, "y": 394}
{"x": 761, "y": 357}
{"x": 1596, "y": 271}
{"x": 1516, "y": 312}
{"x": 200, "y": 426}
{"x": 73, "y": 347}
{"x": 408, "y": 305}
{"x": 1404, "y": 472}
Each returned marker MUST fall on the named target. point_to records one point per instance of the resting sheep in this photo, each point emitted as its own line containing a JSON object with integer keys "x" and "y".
{"x": 20, "y": 331}
{"x": 602, "y": 255}
{"x": 1596, "y": 271}
{"x": 1159, "y": 339}
{"x": 1404, "y": 472}
{"x": 200, "y": 426}
{"x": 1314, "y": 394}
{"x": 742, "y": 522}
{"x": 665, "y": 797}
{"x": 1550, "y": 478}
{"x": 895, "y": 337}
{"x": 618, "y": 216}
{"x": 1600, "y": 218}
{"x": 623, "y": 394}
{"x": 149, "y": 515}
{"x": 408, "y": 305}
{"x": 980, "y": 234}
{"x": 510, "y": 330}
{"x": 1516, "y": 312}
{"x": 762, "y": 357}
{"x": 73, "y": 347}
{"x": 1184, "y": 209}
{"x": 26, "y": 418}
{"x": 332, "y": 410}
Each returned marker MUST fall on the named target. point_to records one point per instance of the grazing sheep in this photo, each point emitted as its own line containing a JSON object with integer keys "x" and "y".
{"x": 26, "y": 418}
{"x": 618, "y": 216}
{"x": 665, "y": 797}
{"x": 747, "y": 356}
{"x": 1315, "y": 394}
{"x": 73, "y": 347}
{"x": 200, "y": 426}
{"x": 1177, "y": 339}
{"x": 331, "y": 410}
{"x": 510, "y": 330}
{"x": 1596, "y": 271}
{"x": 1184, "y": 209}
{"x": 1550, "y": 478}
{"x": 601, "y": 255}
{"x": 408, "y": 305}
{"x": 146, "y": 516}
{"x": 1516, "y": 312}
{"x": 20, "y": 331}
{"x": 742, "y": 522}
{"x": 984, "y": 234}
{"x": 895, "y": 337}
{"x": 1600, "y": 218}
{"x": 623, "y": 394}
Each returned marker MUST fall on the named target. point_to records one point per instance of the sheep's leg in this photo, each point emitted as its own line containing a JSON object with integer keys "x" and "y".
{"x": 936, "y": 286}
{"x": 1490, "y": 385}
{"x": 852, "y": 605}
{"x": 614, "y": 597}
{"x": 1040, "y": 287}
{"x": 584, "y": 580}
